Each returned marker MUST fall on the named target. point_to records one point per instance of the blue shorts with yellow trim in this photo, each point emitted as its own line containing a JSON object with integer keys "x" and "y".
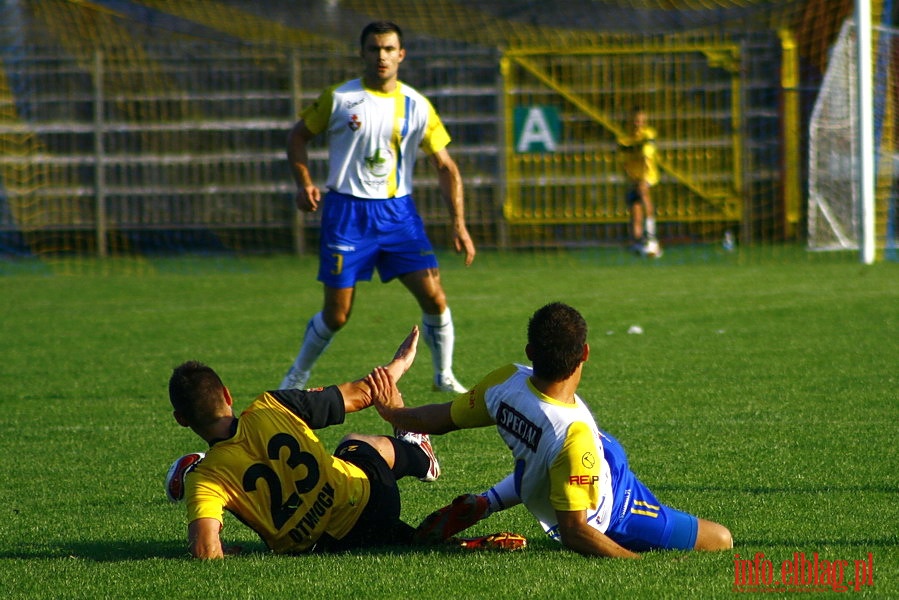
{"x": 359, "y": 235}
{"x": 640, "y": 522}
{"x": 648, "y": 524}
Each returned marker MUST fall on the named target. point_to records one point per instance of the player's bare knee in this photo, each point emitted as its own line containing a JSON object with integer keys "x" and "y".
{"x": 714, "y": 536}
{"x": 727, "y": 540}
{"x": 335, "y": 320}
{"x": 434, "y": 303}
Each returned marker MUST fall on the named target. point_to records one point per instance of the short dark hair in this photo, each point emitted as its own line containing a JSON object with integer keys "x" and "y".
{"x": 195, "y": 391}
{"x": 380, "y": 28}
{"x": 556, "y": 335}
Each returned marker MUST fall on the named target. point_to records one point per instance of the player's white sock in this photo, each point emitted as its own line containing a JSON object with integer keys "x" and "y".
{"x": 502, "y": 495}
{"x": 316, "y": 339}
{"x": 650, "y": 228}
{"x": 440, "y": 337}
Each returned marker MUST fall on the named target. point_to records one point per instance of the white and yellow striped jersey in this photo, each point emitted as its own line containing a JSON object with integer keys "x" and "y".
{"x": 559, "y": 460}
{"x": 373, "y": 137}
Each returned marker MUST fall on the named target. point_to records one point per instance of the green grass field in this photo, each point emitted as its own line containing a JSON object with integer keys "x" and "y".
{"x": 762, "y": 395}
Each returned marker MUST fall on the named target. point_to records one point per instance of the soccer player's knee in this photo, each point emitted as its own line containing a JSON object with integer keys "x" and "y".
{"x": 724, "y": 540}
{"x": 716, "y": 537}
{"x": 336, "y": 320}
{"x": 434, "y": 303}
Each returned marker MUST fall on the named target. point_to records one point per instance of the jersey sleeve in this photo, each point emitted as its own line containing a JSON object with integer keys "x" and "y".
{"x": 436, "y": 137}
{"x": 575, "y": 472}
{"x": 469, "y": 410}
{"x": 317, "y": 115}
{"x": 205, "y": 500}
{"x": 319, "y": 408}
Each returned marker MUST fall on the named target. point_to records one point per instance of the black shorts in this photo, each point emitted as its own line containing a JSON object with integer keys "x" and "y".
{"x": 379, "y": 524}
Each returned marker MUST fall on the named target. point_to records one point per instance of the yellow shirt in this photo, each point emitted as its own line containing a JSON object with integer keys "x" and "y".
{"x": 640, "y": 156}
{"x": 276, "y": 477}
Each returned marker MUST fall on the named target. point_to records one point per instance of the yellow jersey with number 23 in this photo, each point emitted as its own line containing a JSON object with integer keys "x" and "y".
{"x": 276, "y": 477}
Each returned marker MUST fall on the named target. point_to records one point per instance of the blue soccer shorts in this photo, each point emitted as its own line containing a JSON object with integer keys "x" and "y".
{"x": 642, "y": 522}
{"x": 361, "y": 235}
{"x": 648, "y": 524}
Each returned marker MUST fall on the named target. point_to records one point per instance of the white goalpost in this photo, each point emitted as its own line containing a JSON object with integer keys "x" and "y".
{"x": 866, "y": 149}
{"x": 851, "y": 145}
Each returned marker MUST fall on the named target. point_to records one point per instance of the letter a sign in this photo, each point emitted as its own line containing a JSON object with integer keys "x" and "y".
{"x": 537, "y": 129}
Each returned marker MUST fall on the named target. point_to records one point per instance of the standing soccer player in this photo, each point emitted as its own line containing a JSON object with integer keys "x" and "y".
{"x": 643, "y": 173}
{"x": 375, "y": 125}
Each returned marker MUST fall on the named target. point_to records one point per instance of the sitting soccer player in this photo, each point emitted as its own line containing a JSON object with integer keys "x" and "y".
{"x": 572, "y": 477}
{"x": 270, "y": 470}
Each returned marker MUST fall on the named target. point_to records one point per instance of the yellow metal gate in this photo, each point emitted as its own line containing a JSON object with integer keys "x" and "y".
{"x": 565, "y": 110}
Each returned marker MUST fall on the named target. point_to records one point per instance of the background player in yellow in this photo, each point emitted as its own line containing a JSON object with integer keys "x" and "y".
{"x": 572, "y": 477}
{"x": 640, "y": 167}
{"x": 375, "y": 126}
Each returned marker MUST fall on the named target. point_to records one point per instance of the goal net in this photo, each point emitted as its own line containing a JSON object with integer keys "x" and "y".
{"x": 834, "y": 173}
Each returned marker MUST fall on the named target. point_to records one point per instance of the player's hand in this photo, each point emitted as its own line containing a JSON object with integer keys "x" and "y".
{"x": 385, "y": 396}
{"x": 463, "y": 244}
{"x": 308, "y": 199}
{"x": 405, "y": 354}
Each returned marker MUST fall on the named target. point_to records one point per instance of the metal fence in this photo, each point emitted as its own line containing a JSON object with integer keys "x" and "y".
{"x": 180, "y": 147}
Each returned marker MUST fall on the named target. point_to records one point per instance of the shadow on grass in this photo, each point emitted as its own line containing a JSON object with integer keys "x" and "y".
{"x": 791, "y": 489}
{"x": 120, "y": 551}
{"x": 102, "y": 551}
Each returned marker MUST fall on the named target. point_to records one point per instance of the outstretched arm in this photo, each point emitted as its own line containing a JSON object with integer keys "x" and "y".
{"x": 358, "y": 394}
{"x": 430, "y": 418}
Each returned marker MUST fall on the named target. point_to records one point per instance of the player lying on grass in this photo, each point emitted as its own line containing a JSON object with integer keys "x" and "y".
{"x": 571, "y": 476}
{"x": 270, "y": 470}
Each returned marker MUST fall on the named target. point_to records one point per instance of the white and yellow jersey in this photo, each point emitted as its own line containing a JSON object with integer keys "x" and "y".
{"x": 557, "y": 446}
{"x": 373, "y": 137}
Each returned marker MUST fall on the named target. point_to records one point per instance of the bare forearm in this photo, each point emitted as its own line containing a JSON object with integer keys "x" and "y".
{"x": 451, "y": 189}
{"x": 204, "y": 541}
{"x": 592, "y": 543}
{"x": 298, "y": 156}
{"x": 431, "y": 418}
{"x": 360, "y": 394}
{"x": 576, "y": 534}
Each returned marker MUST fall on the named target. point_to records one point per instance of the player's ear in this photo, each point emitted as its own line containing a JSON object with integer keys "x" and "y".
{"x": 528, "y": 352}
{"x": 227, "y": 393}
{"x": 179, "y": 418}
{"x": 586, "y": 353}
